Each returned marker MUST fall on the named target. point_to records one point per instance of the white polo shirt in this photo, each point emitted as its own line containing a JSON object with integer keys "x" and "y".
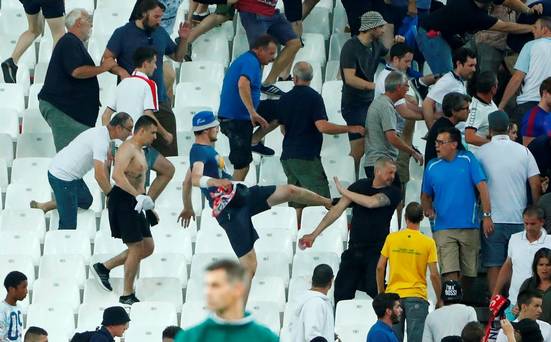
{"x": 545, "y": 329}
{"x": 507, "y": 165}
{"x": 134, "y": 95}
{"x": 478, "y": 119}
{"x": 533, "y": 60}
{"x": 77, "y": 158}
{"x": 448, "y": 83}
{"x": 522, "y": 252}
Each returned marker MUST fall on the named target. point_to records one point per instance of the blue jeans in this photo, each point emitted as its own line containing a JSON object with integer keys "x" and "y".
{"x": 436, "y": 51}
{"x": 415, "y": 311}
{"x": 69, "y": 196}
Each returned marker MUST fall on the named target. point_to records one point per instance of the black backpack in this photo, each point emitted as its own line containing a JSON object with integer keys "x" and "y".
{"x": 83, "y": 336}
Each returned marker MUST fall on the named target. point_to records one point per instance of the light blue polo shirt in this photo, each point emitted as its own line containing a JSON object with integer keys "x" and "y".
{"x": 451, "y": 184}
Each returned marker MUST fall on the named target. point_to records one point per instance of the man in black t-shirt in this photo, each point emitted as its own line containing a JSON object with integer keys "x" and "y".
{"x": 441, "y": 31}
{"x": 359, "y": 59}
{"x": 373, "y": 202}
{"x": 541, "y": 150}
{"x": 303, "y": 119}
{"x": 455, "y": 107}
{"x": 69, "y": 99}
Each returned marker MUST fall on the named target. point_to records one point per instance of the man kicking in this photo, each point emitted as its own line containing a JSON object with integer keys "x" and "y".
{"x": 128, "y": 206}
{"x": 233, "y": 206}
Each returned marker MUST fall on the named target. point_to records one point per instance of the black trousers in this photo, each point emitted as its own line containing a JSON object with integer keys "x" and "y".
{"x": 357, "y": 271}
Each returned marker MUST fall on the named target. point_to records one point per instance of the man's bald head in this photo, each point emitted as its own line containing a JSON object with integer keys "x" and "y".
{"x": 302, "y": 71}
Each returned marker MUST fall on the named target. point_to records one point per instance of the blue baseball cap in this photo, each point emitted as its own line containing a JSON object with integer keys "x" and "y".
{"x": 204, "y": 120}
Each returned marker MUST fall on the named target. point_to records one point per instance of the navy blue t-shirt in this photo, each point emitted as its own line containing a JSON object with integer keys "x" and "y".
{"x": 299, "y": 109}
{"x": 126, "y": 39}
{"x": 214, "y": 166}
{"x": 231, "y": 106}
{"x": 76, "y": 97}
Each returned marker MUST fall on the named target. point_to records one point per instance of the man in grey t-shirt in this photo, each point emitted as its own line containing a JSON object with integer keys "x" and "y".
{"x": 381, "y": 138}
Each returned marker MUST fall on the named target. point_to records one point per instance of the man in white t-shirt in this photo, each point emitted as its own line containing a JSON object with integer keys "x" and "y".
{"x": 477, "y": 132}
{"x": 137, "y": 96}
{"x": 11, "y": 315}
{"x": 437, "y": 323}
{"x": 530, "y": 307}
{"x": 531, "y": 68}
{"x": 65, "y": 175}
{"x": 507, "y": 179}
{"x": 464, "y": 61}
{"x": 520, "y": 253}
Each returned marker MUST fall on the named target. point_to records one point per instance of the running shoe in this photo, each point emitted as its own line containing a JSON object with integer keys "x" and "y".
{"x": 9, "y": 69}
{"x": 270, "y": 89}
{"x": 263, "y": 150}
{"x": 129, "y": 299}
{"x": 102, "y": 276}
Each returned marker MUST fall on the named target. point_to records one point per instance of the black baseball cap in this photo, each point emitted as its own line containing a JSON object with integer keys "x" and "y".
{"x": 451, "y": 291}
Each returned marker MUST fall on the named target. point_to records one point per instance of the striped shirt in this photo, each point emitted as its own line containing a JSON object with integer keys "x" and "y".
{"x": 536, "y": 122}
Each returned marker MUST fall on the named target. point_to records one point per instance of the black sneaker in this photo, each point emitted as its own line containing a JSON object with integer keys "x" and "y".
{"x": 270, "y": 89}
{"x": 261, "y": 149}
{"x": 289, "y": 78}
{"x": 197, "y": 18}
{"x": 9, "y": 69}
{"x": 102, "y": 275}
{"x": 128, "y": 300}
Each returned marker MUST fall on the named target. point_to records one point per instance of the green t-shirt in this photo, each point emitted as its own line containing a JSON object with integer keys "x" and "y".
{"x": 214, "y": 329}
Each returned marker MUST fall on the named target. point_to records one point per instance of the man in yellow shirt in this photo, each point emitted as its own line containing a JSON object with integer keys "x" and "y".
{"x": 409, "y": 253}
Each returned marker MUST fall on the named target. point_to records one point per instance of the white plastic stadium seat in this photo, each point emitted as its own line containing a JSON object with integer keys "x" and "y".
{"x": 318, "y": 22}
{"x": 173, "y": 241}
{"x": 313, "y": 50}
{"x": 193, "y": 313}
{"x": 63, "y": 266}
{"x": 275, "y": 240}
{"x": 3, "y": 176}
{"x": 335, "y": 145}
{"x": 56, "y": 292}
{"x": 18, "y": 196}
{"x": 33, "y": 95}
{"x": 21, "y": 263}
{"x": 198, "y": 94}
{"x": 354, "y": 333}
{"x": 312, "y": 216}
{"x": 13, "y": 20}
{"x": 137, "y": 333}
{"x": 51, "y": 317}
{"x": 67, "y": 242}
{"x": 304, "y": 263}
{"x": 273, "y": 265}
{"x": 271, "y": 172}
{"x": 6, "y": 148}
{"x": 90, "y": 315}
{"x": 168, "y": 220}
{"x": 35, "y": 145}
{"x": 166, "y": 290}
{"x": 30, "y": 170}
{"x": 354, "y": 312}
{"x": 20, "y": 243}
{"x": 202, "y": 71}
{"x": 277, "y": 217}
{"x": 95, "y": 295}
{"x": 268, "y": 289}
{"x": 12, "y": 96}
{"x": 211, "y": 48}
{"x": 201, "y": 261}
{"x": 107, "y": 19}
{"x": 86, "y": 222}
{"x": 335, "y": 45}
{"x": 265, "y": 313}
{"x": 34, "y": 122}
{"x": 164, "y": 266}
{"x": 185, "y": 141}
{"x": 332, "y": 72}
{"x": 211, "y": 241}
{"x": 153, "y": 314}
{"x": 10, "y": 123}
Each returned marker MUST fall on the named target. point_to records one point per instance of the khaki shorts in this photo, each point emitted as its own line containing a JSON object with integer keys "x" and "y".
{"x": 458, "y": 250}
{"x": 308, "y": 174}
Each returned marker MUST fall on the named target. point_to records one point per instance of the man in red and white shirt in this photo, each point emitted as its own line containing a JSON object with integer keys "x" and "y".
{"x": 137, "y": 96}
{"x": 260, "y": 17}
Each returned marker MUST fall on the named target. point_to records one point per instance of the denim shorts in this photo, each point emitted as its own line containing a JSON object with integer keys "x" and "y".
{"x": 494, "y": 247}
{"x": 276, "y": 25}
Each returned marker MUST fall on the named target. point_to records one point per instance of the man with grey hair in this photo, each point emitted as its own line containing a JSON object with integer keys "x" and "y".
{"x": 303, "y": 120}
{"x": 382, "y": 138}
{"x": 72, "y": 71}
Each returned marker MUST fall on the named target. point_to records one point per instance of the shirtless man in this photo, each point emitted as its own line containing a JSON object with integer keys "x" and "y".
{"x": 208, "y": 173}
{"x": 126, "y": 205}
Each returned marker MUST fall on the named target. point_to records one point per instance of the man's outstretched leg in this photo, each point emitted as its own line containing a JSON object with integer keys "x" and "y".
{"x": 45, "y": 206}
{"x": 292, "y": 193}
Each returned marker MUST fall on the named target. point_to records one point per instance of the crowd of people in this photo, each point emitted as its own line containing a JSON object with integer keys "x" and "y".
{"x": 484, "y": 195}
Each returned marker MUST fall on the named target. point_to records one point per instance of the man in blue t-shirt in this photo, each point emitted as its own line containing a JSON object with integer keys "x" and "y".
{"x": 389, "y": 311}
{"x": 142, "y": 32}
{"x": 448, "y": 196}
{"x": 233, "y": 205}
{"x": 239, "y": 106}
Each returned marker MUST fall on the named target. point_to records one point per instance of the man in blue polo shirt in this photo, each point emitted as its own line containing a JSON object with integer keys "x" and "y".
{"x": 142, "y": 32}
{"x": 233, "y": 205}
{"x": 240, "y": 105}
{"x": 388, "y": 310}
{"x": 448, "y": 196}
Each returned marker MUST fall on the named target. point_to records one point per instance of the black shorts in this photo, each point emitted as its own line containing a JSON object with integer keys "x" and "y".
{"x": 355, "y": 115}
{"x": 50, "y": 8}
{"x": 126, "y": 223}
{"x": 240, "y": 133}
{"x": 237, "y": 221}
{"x": 293, "y": 10}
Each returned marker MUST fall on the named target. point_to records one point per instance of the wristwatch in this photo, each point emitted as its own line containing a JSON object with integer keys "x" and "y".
{"x": 487, "y": 214}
